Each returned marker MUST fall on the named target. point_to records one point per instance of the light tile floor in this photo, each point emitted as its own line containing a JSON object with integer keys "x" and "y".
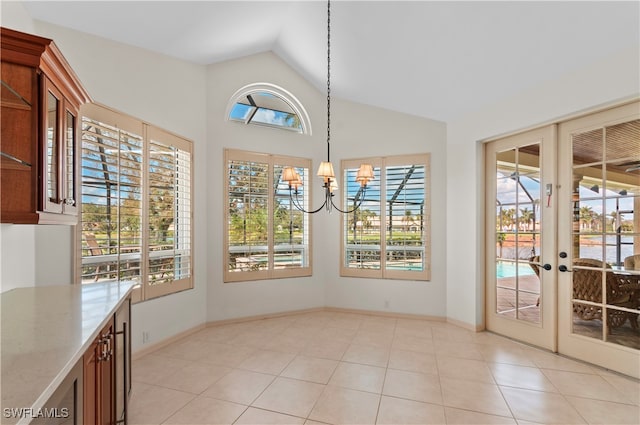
{"x": 340, "y": 368}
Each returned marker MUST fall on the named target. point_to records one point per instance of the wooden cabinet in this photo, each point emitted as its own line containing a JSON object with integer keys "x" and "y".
{"x": 99, "y": 372}
{"x": 41, "y": 96}
{"x": 107, "y": 371}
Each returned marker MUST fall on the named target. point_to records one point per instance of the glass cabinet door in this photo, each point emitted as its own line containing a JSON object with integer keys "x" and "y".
{"x": 51, "y": 152}
{"x": 70, "y": 163}
{"x": 60, "y": 166}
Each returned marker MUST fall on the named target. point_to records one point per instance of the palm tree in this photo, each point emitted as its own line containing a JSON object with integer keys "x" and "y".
{"x": 586, "y": 217}
{"x": 407, "y": 220}
{"x": 526, "y": 215}
{"x": 507, "y": 218}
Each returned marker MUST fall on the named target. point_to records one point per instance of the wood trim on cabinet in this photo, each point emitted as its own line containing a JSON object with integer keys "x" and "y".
{"x": 31, "y": 67}
{"x": 22, "y": 48}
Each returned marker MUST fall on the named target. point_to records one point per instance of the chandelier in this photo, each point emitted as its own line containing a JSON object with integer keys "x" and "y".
{"x": 325, "y": 170}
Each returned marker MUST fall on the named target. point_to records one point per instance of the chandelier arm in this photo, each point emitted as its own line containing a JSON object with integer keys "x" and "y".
{"x": 296, "y": 203}
{"x": 364, "y": 193}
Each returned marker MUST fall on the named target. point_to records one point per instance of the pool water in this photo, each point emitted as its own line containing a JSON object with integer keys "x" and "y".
{"x": 507, "y": 269}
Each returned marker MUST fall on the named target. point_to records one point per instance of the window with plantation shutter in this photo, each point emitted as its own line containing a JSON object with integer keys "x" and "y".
{"x": 136, "y": 204}
{"x": 388, "y": 236}
{"x": 265, "y": 235}
{"x": 111, "y": 202}
{"x": 169, "y": 215}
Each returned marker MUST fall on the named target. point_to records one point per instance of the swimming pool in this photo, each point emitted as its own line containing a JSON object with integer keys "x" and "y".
{"x": 508, "y": 269}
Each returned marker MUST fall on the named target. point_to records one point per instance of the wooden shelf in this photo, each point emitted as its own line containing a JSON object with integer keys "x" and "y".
{"x": 14, "y": 164}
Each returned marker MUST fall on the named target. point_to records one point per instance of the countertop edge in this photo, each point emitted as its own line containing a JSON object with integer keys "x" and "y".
{"x": 62, "y": 374}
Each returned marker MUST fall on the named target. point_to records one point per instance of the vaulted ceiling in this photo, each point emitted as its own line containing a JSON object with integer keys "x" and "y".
{"x": 434, "y": 59}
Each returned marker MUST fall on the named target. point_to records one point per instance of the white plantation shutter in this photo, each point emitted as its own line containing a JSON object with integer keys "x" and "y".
{"x": 388, "y": 236}
{"x": 361, "y": 228}
{"x": 265, "y": 236}
{"x": 169, "y": 216}
{"x": 248, "y": 200}
{"x": 405, "y": 236}
{"x": 111, "y": 203}
{"x": 136, "y": 204}
{"x": 290, "y": 225}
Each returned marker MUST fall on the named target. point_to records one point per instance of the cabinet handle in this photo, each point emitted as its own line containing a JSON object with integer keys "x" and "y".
{"x": 107, "y": 352}
{"x": 70, "y": 201}
{"x": 103, "y": 356}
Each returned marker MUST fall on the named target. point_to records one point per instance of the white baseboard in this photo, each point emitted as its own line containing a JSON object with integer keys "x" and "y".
{"x": 148, "y": 349}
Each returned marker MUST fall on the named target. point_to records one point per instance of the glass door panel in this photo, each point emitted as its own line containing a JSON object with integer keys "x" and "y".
{"x": 599, "y": 297}
{"x": 518, "y": 223}
{"x": 604, "y": 293}
{"x": 516, "y": 275}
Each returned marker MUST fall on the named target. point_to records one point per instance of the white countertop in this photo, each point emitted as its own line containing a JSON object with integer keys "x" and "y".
{"x": 45, "y": 331}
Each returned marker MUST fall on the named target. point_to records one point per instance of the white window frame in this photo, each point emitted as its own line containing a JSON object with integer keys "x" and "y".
{"x": 280, "y": 93}
{"x": 383, "y": 272}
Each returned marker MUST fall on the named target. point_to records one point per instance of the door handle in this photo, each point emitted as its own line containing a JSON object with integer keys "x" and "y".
{"x": 547, "y": 267}
{"x": 564, "y": 268}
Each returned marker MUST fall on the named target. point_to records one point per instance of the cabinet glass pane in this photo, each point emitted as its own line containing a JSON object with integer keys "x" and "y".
{"x": 52, "y": 147}
{"x": 70, "y": 164}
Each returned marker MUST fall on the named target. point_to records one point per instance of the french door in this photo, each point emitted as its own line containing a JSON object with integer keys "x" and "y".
{"x": 520, "y": 237}
{"x": 599, "y": 238}
{"x": 563, "y": 242}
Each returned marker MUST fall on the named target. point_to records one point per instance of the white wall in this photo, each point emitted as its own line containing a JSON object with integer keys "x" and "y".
{"x": 169, "y": 94}
{"x": 17, "y": 258}
{"x": 160, "y": 90}
{"x": 363, "y": 131}
{"x": 13, "y": 15}
{"x": 229, "y": 300}
{"x": 603, "y": 82}
{"x": 357, "y": 131}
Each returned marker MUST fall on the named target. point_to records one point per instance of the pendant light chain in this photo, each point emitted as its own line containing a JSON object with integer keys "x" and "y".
{"x": 328, "y": 76}
{"x": 325, "y": 171}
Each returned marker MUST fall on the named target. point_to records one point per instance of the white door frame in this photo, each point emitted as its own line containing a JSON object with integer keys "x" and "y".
{"x": 544, "y": 333}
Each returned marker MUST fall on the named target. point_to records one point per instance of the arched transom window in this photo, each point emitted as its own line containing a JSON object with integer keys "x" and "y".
{"x": 268, "y": 105}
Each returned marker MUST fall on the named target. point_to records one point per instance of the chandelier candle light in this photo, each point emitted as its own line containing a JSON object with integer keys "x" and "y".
{"x": 330, "y": 184}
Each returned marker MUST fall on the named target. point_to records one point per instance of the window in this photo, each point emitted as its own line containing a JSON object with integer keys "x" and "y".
{"x": 136, "y": 204}
{"x": 268, "y": 105}
{"x": 388, "y": 236}
{"x": 265, "y": 235}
